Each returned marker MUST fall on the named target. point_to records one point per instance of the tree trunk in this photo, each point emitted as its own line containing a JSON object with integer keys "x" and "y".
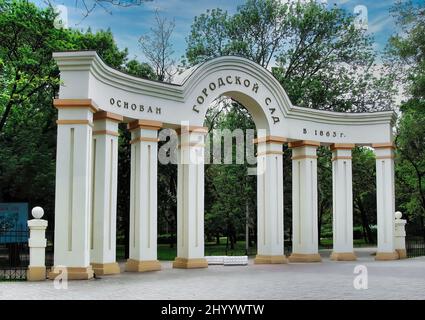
{"x": 319, "y": 231}
{"x": 250, "y": 239}
{"x": 230, "y": 236}
{"x": 227, "y": 243}
{"x": 423, "y": 227}
{"x": 367, "y": 234}
{"x": 126, "y": 239}
{"x": 246, "y": 226}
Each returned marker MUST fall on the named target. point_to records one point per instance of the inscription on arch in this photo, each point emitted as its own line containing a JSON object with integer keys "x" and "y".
{"x": 233, "y": 80}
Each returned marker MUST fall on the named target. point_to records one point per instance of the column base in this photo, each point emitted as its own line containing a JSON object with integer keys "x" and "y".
{"x": 184, "y": 263}
{"x": 343, "y": 256}
{"x": 402, "y": 254}
{"x": 385, "y": 256}
{"x": 263, "y": 259}
{"x": 36, "y": 273}
{"x": 74, "y": 273}
{"x": 142, "y": 265}
{"x": 103, "y": 269}
{"x": 305, "y": 257}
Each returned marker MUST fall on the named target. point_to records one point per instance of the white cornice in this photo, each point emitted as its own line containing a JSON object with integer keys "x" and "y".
{"x": 90, "y": 61}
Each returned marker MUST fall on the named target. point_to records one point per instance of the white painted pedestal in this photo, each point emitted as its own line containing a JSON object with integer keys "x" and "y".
{"x": 400, "y": 236}
{"x": 37, "y": 245}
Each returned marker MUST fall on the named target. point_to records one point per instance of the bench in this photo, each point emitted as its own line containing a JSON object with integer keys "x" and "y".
{"x": 227, "y": 260}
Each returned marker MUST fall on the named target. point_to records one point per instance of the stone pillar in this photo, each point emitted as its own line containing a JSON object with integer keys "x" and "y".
{"x": 342, "y": 203}
{"x": 143, "y": 196}
{"x": 400, "y": 236}
{"x": 305, "y": 246}
{"x": 270, "y": 201}
{"x": 37, "y": 245}
{"x": 73, "y": 188}
{"x": 385, "y": 199}
{"x": 104, "y": 202}
{"x": 190, "y": 200}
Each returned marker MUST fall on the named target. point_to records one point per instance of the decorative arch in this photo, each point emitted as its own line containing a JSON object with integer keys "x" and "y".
{"x": 94, "y": 98}
{"x": 86, "y": 76}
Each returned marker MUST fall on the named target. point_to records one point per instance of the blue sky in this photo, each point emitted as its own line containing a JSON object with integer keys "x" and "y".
{"x": 128, "y": 24}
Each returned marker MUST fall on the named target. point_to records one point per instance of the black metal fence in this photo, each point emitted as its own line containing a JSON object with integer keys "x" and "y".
{"x": 49, "y": 249}
{"x": 415, "y": 247}
{"x": 14, "y": 255}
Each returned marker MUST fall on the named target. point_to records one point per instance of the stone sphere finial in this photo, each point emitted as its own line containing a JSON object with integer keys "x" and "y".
{"x": 398, "y": 215}
{"x": 37, "y": 212}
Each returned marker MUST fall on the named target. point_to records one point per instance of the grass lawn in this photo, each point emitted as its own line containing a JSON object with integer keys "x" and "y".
{"x": 212, "y": 249}
{"x": 327, "y": 243}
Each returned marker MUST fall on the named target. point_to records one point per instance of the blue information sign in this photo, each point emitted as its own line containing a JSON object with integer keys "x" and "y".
{"x": 13, "y": 222}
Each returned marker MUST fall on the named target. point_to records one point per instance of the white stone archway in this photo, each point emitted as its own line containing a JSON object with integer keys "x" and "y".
{"x": 94, "y": 98}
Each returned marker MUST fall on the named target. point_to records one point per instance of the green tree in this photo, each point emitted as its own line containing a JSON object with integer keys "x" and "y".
{"x": 141, "y": 70}
{"x": 324, "y": 177}
{"x": 28, "y": 38}
{"x": 364, "y": 191}
{"x": 318, "y": 55}
{"x": 257, "y": 31}
{"x": 410, "y": 167}
{"x": 406, "y": 52}
{"x": 229, "y": 191}
{"x": 29, "y": 82}
{"x": 322, "y": 60}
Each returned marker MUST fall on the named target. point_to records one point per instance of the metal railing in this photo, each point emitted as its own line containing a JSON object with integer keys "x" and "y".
{"x": 415, "y": 247}
{"x": 14, "y": 254}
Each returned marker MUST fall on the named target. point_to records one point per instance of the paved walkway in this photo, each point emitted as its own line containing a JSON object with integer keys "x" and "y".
{"x": 402, "y": 279}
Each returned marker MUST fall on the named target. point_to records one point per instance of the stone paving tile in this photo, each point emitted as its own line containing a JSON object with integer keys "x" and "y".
{"x": 403, "y": 279}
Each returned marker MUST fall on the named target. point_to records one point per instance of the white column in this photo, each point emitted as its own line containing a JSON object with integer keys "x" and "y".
{"x": 37, "y": 245}
{"x": 270, "y": 201}
{"x": 400, "y": 236}
{"x": 73, "y": 188}
{"x": 385, "y": 199}
{"x": 342, "y": 192}
{"x": 190, "y": 200}
{"x": 104, "y": 202}
{"x": 304, "y": 202}
{"x": 143, "y": 196}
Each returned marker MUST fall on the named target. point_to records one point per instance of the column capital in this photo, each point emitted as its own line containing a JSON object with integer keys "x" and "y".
{"x": 303, "y": 143}
{"x": 188, "y": 129}
{"x": 385, "y": 145}
{"x": 384, "y": 151}
{"x": 76, "y": 103}
{"x": 104, "y": 115}
{"x": 342, "y": 146}
{"x": 270, "y": 139}
{"x": 74, "y": 122}
{"x": 145, "y": 139}
{"x": 145, "y": 124}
